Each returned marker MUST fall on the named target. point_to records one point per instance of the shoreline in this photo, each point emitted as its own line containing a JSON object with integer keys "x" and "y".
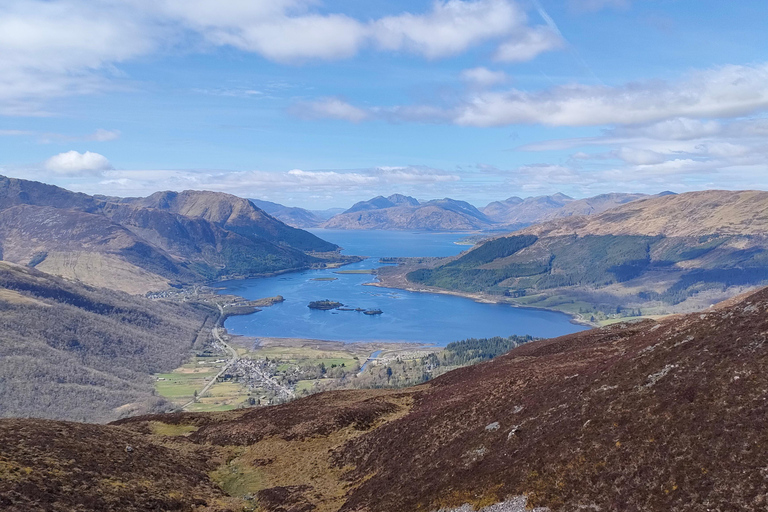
{"x": 481, "y": 298}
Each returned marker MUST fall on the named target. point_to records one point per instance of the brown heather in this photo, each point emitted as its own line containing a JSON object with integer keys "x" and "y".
{"x": 650, "y": 416}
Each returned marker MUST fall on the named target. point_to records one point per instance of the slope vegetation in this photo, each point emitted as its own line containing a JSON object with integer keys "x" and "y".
{"x": 650, "y": 416}
{"x": 656, "y": 255}
{"x": 138, "y": 245}
{"x": 69, "y": 351}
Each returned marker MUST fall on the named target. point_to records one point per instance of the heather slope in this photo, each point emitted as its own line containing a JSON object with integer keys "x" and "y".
{"x": 651, "y": 416}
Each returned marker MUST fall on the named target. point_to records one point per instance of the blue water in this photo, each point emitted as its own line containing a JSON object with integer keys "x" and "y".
{"x": 408, "y": 316}
{"x": 373, "y": 356}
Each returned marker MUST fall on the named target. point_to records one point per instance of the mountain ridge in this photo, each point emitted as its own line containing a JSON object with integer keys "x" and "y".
{"x": 146, "y": 244}
{"x": 658, "y": 255}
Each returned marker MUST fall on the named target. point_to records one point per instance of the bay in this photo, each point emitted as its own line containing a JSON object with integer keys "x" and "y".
{"x": 407, "y": 316}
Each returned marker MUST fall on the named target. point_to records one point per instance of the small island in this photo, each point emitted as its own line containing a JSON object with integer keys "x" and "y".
{"x": 327, "y": 305}
{"x": 324, "y": 305}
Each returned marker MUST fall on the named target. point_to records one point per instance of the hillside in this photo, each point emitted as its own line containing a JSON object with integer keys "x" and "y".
{"x": 655, "y": 416}
{"x": 403, "y": 212}
{"x": 516, "y": 212}
{"x": 673, "y": 253}
{"x": 235, "y": 214}
{"x": 296, "y": 217}
{"x": 69, "y": 351}
{"x": 139, "y": 245}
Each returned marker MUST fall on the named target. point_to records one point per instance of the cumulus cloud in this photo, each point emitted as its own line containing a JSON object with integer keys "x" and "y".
{"x": 58, "y": 48}
{"x": 529, "y": 44}
{"x": 723, "y": 92}
{"x": 450, "y": 28}
{"x": 73, "y": 163}
{"x": 54, "y": 48}
{"x": 483, "y": 77}
{"x": 728, "y": 91}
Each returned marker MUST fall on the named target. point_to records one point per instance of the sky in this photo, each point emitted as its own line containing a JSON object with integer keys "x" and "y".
{"x": 320, "y": 104}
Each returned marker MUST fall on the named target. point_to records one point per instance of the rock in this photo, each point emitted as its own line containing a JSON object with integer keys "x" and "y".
{"x": 492, "y": 426}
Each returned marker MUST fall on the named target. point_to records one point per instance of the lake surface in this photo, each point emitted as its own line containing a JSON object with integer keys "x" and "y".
{"x": 407, "y": 317}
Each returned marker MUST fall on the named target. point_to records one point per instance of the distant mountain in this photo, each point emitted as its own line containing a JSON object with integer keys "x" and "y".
{"x": 142, "y": 244}
{"x": 653, "y": 416}
{"x": 296, "y": 217}
{"x": 328, "y": 213}
{"x": 517, "y": 212}
{"x": 662, "y": 254}
{"x": 381, "y": 202}
{"x": 403, "y": 212}
{"x": 69, "y": 351}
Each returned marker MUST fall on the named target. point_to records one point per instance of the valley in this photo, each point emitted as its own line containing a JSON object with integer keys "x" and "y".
{"x": 558, "y": 421}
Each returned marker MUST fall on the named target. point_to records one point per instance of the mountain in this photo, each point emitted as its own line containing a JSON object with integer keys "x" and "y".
{"x": 142, "y": 244}
{"x": 658, "y": 416}
{"x": 296, "y": 217}
{"x": 403, "y": 212}
{"x": 69, "y": 351}
{"x": 234, "y": 214}
{"x": 328, "y": 213}
{"x": 381, "y": 202}
{"x": 673, "y": 253}
{"x": 517, "y": 212}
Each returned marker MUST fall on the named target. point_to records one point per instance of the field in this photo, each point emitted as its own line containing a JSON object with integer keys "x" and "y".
{"x": 302, "y": 366}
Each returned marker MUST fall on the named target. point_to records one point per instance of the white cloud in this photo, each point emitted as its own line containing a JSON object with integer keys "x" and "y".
{"x": 329, "y": 108}
{"x": 102, "y": 135}
{"x": 58, "y": 48}
{"x": 596, "y": 5}
{"x": 728, "y": 91}
{"x": 724, "y": 92}
{"x": 450, "y": 28}
{"x": 639, "y": 156}
{"x": 73, "y": 163}
{"x": 338, "y": 184}
{"x": 529, "y": 44}
{"x": 483, "y": 77}
{"x": 54, "y": 48}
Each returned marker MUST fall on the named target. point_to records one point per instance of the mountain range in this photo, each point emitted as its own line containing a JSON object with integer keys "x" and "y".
{"x": 653, "y": 416}
{"x": 661, "y": 254}
{"x": 404, "y": 212}
{"x": 143, "y": 244}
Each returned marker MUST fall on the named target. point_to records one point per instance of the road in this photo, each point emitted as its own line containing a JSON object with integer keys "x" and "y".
{"x": 232, "y": 359}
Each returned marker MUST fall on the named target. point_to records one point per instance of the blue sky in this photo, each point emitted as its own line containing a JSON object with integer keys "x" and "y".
{"x": 323, "y": 103}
